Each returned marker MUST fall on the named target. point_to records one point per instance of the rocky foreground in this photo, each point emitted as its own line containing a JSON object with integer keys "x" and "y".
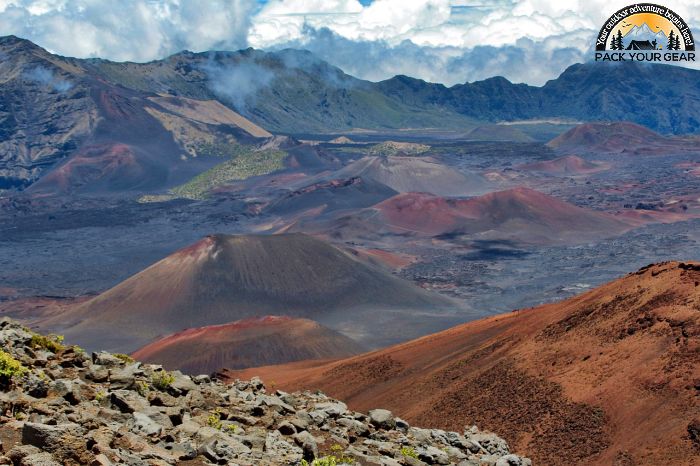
{"x": 61, "y": 406}
{"x": 608, "y": 377}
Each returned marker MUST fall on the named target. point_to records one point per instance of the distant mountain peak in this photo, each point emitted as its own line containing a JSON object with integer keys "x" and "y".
{"x": 18, "y": 43}
{"x": 12, "y": 39}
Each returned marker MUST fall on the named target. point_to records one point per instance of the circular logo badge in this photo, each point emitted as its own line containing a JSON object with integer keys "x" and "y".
{"x": 645, "y": 27}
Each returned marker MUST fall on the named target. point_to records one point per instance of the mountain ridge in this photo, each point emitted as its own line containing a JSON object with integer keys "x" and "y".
{"x": 339, "y": 96}
{"x": 115, "y": 127}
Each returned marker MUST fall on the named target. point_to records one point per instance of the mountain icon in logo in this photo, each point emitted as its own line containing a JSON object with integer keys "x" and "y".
{"x": 643, "y": 38}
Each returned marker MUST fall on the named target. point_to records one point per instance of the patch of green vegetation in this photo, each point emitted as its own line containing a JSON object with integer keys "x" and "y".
{"x": 330, "y": 460}
{"x": 335, "y": 458}
{"x": 393, "y": 148}
{"x": 214, "y": 420}
{"x": 10, "y": 367}
{"x": 53, "y": 343}
{"x": 219, "y": 149}
{"x": 162, "y": 380}
{"x": 142, "y": 388}
{"x": 409, "y": 452}
{"x": 245, "y": 165}
{"x": 125, "y": 358}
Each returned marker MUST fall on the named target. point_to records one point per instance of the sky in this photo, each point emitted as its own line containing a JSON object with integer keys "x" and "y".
{"x": 446, "y": 41}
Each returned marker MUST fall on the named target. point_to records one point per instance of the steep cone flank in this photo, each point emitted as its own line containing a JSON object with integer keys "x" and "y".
{"x": 607, "y": 377}
{"x": 567, "y": 165}
{"x": 225, "y": 278}
{"x": 519, "y": 213}
{"x": 420, "y": 174}
{"x": 247, "y": 343}
{"x": 620, "y": 137}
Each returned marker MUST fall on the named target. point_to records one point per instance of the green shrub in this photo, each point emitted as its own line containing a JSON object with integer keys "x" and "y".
{"x": 142, "y": 388}
{"x": 125, "y": 358}
{"x": 330, "y": 460}
{"x": 335, "y": 458}
{"x": 53, "y": 343}
{"x": 162, "y": 380}
{"x": 214, "y": 420}
{"x": 10, "y": 367}
{"x": 245, "y": 164}
{"x": 388, "y": 148}
{"x": 409, "y": 452}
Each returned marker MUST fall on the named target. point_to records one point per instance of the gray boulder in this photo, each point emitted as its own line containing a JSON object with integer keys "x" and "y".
{"x": 382, "y": 419}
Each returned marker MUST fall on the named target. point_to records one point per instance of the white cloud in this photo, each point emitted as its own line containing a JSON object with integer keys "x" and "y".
{"x": 238, "y": 84}
{"x": 448, "y": 41}
{"x": 529, "y": 61}
{"x": 129, "y": 29}
{"x": 439, "y": 22}
{"x": 285, "y": 20}
{"x": 441, "y": 40}
{"x": 391, "y": 20}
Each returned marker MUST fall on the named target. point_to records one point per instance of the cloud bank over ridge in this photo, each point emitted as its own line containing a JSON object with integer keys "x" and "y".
{"x": 448, "y": 41}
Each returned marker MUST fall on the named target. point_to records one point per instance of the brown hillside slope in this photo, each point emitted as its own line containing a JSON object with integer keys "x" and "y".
{"x": 607, "y": 377}
{"x": 245, "y": 343}
{"x": 567, "y": 165}
{"x": 415, "y": 173}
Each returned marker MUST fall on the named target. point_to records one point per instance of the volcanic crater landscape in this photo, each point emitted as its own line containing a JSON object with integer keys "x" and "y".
{"x": 516, "y": 257}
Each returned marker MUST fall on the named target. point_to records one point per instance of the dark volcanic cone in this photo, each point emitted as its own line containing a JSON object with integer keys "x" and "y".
{"x": 223, "y": 278}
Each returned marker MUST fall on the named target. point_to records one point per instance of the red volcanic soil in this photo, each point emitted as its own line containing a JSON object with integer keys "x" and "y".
{"x": 109, "y": 166}
{"x": 127, "y": 147}
{"x": 246, "y": 343}
{"x": 566, "y": 165}
{"x": 422, "y": 213}
{"x": 607, "y": 377}
{"x": 618, "y": 137}
{"x": 519, "y": 213}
